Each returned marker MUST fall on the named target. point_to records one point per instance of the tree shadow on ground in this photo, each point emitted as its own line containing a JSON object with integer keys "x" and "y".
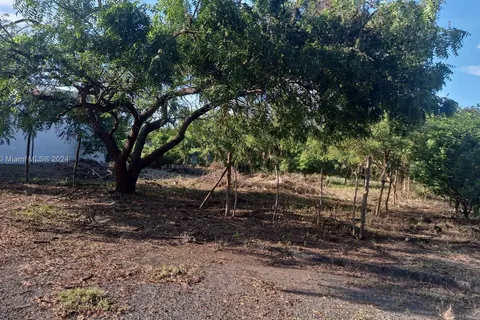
{"x": 161, "y": 212}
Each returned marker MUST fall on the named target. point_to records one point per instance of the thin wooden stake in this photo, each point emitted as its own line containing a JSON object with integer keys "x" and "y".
{"x": 27, "y": 158}
{"x": 229, "y": 184}
{"x": 365, "y": 199}
{"x": 236, "y": 192}
{"x": 77, "y": 157}
{"x": 213, "y": 189}
{"x": 395, "y": 188}
{"x": 379, "y": 203}
{"x": 277, "y": 195}
{"x": 320, "y": 201}
{"x": 390, "y": 185}
{"x": 354, "y": 231}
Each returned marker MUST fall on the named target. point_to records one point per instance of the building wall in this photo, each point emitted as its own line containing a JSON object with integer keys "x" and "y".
{"x": 47, "y": 147}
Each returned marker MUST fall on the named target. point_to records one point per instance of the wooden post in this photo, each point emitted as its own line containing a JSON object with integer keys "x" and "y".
{"x": 27, "y": 158}
{"x": 213, "y": 189}
{"x": 395, "y": 188}
{"x": 229, "y": 184}
{"x": 236, "y": 193}
{"x": 379, "y": 203}
{"x": 390, "y": 184}
{"x": 320, "y": 201}
{"x": 354, "y": 231}
{"x": 365, "y": 198}
{"x": 77, "y": 157}
{"x": 277, "y": 193}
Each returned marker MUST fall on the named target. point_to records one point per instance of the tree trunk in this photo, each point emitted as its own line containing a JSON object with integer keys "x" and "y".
{"x": 390, "y": 183}
{"x": 320, "y": 201}
{"x": 32, "y": 146}
{"x": 365, "y": 199}
{"x": 77, "y": 157}
{"x": 379, "y": 203}
{"x": 125, "y": 179}
{"x": 229, "y": 184}
{"x": 27, "y": 158}
{"x": 354, "y": 231}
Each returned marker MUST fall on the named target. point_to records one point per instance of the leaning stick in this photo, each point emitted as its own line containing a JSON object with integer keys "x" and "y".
{"x": 213, "y": 189}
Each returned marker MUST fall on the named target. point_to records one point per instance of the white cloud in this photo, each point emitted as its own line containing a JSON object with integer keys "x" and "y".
{"x": 474, "y": 70}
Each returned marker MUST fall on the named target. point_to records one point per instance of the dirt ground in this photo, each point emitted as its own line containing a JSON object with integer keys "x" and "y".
{"x": 419, "y": 261}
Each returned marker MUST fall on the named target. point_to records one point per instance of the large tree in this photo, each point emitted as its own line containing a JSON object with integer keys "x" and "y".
{"x": 330, "y": 68}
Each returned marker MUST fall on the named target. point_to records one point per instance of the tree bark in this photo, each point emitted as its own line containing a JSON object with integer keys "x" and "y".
{"x": 125, "y": 179}
{"x": 229, "y": 184}
{"x": 354, "y": 231}
{"x": 77, "y": 157}
{"x": 365, "y": 198}
{"x": 27, "y": 158}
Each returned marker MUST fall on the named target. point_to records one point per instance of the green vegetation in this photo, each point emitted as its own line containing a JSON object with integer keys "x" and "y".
{"x": 83, "y": 300}
{"x": 446, "y": 153}
{"x": 272, "y": 74}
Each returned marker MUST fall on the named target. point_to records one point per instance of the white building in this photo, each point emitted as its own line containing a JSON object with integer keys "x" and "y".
{"x": 47, "y": 147}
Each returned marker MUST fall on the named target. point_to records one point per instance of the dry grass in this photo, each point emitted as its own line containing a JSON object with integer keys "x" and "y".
{"x": 448, "y": 314}
{"x": 179, "y": 274}
{"x": 84, "y": 301}
{"x": 405, "y": 253}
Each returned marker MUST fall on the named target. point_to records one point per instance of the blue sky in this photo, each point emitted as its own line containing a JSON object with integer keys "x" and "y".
{"x": 464, "y": 86}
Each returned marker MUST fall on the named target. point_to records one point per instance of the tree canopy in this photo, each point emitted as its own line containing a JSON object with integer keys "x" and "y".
{"x": 447, "y": 152}
{"x": 305, "y": 66}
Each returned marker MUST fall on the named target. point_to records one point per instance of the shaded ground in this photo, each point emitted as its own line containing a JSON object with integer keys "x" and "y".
{"x": 54, "y": 238}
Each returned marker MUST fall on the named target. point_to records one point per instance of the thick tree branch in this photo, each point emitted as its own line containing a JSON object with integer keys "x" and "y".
{"x": 104, "y": 135}
{"x": 115, "y": 124}
{"x": 142, "y": 136}
{"x": 162, "y": 100}
{"x": 178, "y": 138}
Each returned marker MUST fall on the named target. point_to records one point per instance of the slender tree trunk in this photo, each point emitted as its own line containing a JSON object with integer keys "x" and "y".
{"x": 77, "y": 157}
{"x": 32, "y": 146}
{"x": 229, "y": 184}
{"x": 365, "y": 198}
{"x": 320, "y": 201}
{"x": 379, "y": 203}
{"x": 277, "y": 193}
{"x": 27, "y": 158}
{"x": 213, "y": 189}
{"x": 390, "y": 183}
{"x": 354, "y": 231}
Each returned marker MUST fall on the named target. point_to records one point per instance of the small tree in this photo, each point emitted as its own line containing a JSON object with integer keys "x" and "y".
{"x": 446, "y": 153}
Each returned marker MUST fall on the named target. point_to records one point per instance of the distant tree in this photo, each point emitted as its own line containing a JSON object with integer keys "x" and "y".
{"x": 446, "y": 153}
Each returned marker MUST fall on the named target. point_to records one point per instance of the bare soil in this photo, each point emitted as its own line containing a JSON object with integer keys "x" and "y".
{"x": 417, "y": 261}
